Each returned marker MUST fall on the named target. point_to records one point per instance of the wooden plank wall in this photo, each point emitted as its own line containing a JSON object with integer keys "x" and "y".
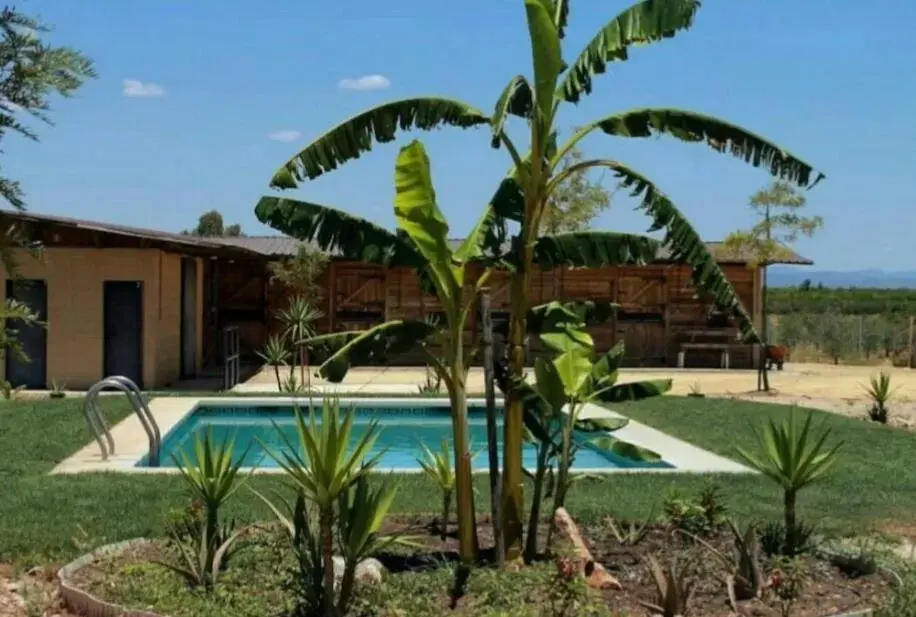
{"x": 658, "y": 304}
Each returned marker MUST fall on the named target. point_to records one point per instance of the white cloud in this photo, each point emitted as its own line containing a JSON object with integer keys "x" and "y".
{"x": 285, "y": 135}
{"x": 366, "y": 82}
{"x": 134, "y": 88}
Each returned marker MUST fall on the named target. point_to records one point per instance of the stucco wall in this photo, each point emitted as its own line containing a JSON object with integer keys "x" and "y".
{"x": 75, "y": 279}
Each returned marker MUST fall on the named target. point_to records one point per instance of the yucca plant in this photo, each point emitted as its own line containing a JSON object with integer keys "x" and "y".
{"x": 438, "y": 468}
{"x": 794, "y": 458}
{"x": 213, "y": 477}
{"x": 323, "y": 465}
{"x": 880, "y": 392}
{"x": 299, "y": 321}
{"x": 275, "y": 354}
{"x": 555, "y": 81}
{"x": 362, "y": 512}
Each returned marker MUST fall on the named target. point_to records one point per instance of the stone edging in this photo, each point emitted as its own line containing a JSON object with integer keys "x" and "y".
{"x": 85, "y": 603}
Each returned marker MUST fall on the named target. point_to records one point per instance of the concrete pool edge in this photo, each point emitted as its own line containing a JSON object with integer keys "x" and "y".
{"x": 131, "y": 443}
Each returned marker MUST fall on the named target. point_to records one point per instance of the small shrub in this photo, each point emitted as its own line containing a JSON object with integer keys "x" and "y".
{"x": 712, "y": 502}
{"x": 787, "y": 580}
{"x": 744, "y": 579}
{"x": 57, "y": 389}
{"x": 437, "y": 466}
{"x": 432, "y": 383}
{"x": 696, "y": 390}
{"x": 775, "y": 541}
{"x": 902, "y": 602}
{"x": 183, "y": 524}
{"x": 684, "y": 514}
{"x": 674, "y": 590}
{"x": 8, "y": 391}
{"x": 880, "y": 392}
{"x": 859, "y": 558}
{"x": 630, "y": 535}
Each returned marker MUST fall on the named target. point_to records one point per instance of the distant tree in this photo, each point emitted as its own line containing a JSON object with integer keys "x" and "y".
{"x": 805, "y": 285}
{"x": 210, "y": 224}
{"x": 31, "y": 72}
{"x": 777, "y": 206}
{"x": 576, "y": 201}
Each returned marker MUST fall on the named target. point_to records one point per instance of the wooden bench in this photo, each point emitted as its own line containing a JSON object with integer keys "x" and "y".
{"x": 724, "y": 348}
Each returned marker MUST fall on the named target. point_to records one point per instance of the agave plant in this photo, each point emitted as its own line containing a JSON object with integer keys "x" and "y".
{"x": 555, "y": 80}
{"x": 745, "y": 579}
{"x": 674, "y": 589}
{"x": 438, "y": 468}
{"x": 794, "y": 458}
{"x": 214, "y": 478}
{"x": 323, "y": 466}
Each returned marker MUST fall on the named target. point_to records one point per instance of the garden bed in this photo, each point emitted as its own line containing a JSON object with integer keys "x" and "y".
{"x": 420, "y": 581}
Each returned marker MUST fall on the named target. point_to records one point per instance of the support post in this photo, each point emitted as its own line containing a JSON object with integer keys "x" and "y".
{"x": 490, "y": 395}
{"x": 912, "y": 362}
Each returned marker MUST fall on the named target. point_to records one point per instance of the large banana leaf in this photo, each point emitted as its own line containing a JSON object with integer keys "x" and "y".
{"x": 645, "y": 22}
{"x": 593, "y": 249}
{"x": 556, "y": 315}
{"x": 546, "y": 55}
{"x": 349, "y": 139}
{"x": 338, "y": 232}
{"x": 516, "y": 99}
{"x": 686, "y": 246}
{"x": 720, "y": 135}
{"x": 373, "y": 345}
{"x": 419, "y": 216}
{"x": 561, "y": 16}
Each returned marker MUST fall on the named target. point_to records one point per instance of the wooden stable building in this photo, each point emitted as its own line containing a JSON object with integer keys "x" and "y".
{"x": 662, "y": 320}
{"x": 157, "y": 306}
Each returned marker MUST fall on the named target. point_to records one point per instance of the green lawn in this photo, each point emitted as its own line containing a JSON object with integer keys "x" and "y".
{"x": 56, "y": 517}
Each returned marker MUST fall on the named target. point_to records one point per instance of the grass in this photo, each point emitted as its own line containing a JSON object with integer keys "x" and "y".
{"x": 46, "y": 517}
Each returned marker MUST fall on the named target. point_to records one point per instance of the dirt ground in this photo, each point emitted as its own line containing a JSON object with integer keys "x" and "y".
{"x": 839, "y": 389}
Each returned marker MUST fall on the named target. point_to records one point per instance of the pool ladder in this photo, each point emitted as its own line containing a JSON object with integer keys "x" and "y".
{"x": 99, "y": 427}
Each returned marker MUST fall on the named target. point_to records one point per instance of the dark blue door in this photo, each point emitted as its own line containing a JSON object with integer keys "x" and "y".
{"x": 123, "y": 329}
{"x": 33, "y": 339}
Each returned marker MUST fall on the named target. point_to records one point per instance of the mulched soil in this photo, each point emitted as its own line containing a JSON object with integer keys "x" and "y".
{"x": 828, "y": 590}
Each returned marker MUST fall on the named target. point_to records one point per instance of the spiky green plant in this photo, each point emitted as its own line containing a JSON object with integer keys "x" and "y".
{"x": 673, "y": 587}
{"x": 275, "y": 354}
{"x": 880, "y": 392}
{"x": 213, "y": 477}
{"x": 323, "y": 465}
{"x": 438, "y": 468}
{"x": 794, "y": 458}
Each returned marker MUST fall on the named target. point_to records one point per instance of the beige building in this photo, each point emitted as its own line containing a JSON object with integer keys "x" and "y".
{"x": 116, "y": 300}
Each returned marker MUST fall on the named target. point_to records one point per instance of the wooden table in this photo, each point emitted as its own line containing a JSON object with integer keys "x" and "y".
{"x": 723, "y": 347}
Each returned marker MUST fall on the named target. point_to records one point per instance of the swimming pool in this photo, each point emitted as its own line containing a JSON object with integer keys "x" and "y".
{"x": 402, "y": 429}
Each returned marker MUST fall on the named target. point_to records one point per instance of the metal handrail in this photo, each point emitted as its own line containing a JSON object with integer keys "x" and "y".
{"x": 97, "y": 424}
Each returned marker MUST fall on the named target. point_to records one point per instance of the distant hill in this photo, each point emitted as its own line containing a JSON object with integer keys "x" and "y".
{"x": 782, "y": 276}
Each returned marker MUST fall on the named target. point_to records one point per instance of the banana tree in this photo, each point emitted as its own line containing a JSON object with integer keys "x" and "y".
{"x": 537, "y": 171}
{"x": 422, "y": 243}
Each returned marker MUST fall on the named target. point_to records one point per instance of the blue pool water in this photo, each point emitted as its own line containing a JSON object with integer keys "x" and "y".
{"x": 402, "y": 430}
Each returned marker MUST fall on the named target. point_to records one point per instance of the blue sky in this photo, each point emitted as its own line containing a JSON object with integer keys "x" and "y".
{"x": 220, "y": 82}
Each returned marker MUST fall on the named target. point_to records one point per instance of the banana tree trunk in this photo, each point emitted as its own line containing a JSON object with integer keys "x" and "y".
{"x": 513, "y": 490}
{"x": 464, "y": 480}
{"x": 531, "y": 543}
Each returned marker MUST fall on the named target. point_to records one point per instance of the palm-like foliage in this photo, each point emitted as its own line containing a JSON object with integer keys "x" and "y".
{"x": 437, "y": 467}
{"x": 422, "y": 237}
{"x": 323, "y": 468}
{"x": 299, "y": 322}
{"x": 794, "y": 458}
{"x": 275, "y": 354}
{"x": 214, "y": 477}
{"x": 524, "y": 193}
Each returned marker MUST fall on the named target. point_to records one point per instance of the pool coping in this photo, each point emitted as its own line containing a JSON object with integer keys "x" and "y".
{"x": 131, "y": 443}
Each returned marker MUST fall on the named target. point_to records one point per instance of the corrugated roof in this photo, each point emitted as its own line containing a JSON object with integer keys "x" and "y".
{"x": 181, "y": 240}
{"x": 284, "y": 246}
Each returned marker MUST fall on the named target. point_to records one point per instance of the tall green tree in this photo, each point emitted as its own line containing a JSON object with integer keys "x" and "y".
{"x": 522, "y": 197}
{"x": 211, "y": 225}
{"x": 32, "y": 72}
{"x": 577, "y": 201}
{"x": 778, "y": 208}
